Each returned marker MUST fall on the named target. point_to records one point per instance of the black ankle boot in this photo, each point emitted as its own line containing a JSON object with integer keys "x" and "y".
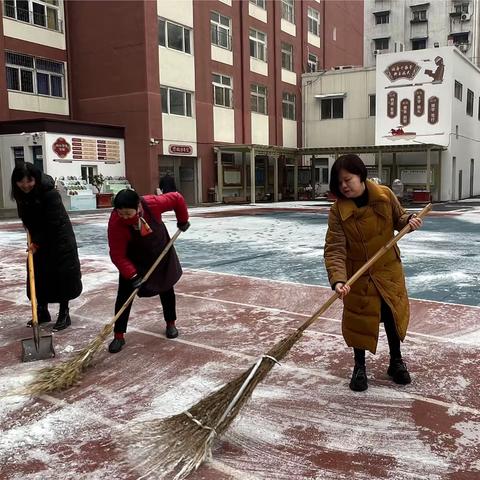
{"x": 398, "y": 371}
{"x": 43, "y": 315}
{"x": 63, "y": 320}
{"x": 359, "y": 381}
{"x": 171, "y": 331}
{"x": 116, "y": 345}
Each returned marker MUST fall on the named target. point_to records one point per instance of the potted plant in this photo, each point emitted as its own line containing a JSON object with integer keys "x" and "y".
{"x": 104, "y": 200}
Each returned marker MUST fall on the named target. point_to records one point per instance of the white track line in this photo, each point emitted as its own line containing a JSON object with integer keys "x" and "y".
{"x": 330, "y": 319}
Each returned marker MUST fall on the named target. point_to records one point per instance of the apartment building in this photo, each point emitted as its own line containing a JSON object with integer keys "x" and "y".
{"x": 182, "y": 77}
{"x": 398, "y": 25}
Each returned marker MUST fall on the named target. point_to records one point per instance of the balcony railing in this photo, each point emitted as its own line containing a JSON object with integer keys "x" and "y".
{"x": 50, "y": 22}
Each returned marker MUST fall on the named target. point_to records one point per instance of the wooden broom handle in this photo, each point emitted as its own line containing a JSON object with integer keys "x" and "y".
{"x": 145, "y": 277}
{"x": 424, "y": 212}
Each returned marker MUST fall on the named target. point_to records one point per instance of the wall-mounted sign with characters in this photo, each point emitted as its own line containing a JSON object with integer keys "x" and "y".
{"x": 410, "y": 86}
{"x": 61, "y": 147}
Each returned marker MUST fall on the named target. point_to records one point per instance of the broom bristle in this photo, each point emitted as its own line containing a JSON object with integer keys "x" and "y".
{"x": 66, "y": 374}
{"x": 175, "y": 446}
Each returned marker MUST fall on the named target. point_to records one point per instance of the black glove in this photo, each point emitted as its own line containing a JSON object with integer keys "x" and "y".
{"x": 183, "y": 226}
{"x": 136, "y": 281}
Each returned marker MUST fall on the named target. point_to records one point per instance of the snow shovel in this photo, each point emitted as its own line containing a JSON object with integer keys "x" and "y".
{"x": 38, "y": 347}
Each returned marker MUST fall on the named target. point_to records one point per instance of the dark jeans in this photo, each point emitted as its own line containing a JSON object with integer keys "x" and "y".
{"x": 392, "y": 336}
{"x": 125, "y": 289}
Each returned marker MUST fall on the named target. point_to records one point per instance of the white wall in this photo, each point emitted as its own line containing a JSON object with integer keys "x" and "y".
{"x": 357, "y": 127}
{"x": 223, "y": 124}
{"x": 37, "y": 103}
{"x": 259, "y": 124}
{"x": 176, "y": 69}
{"x": 179, "y": 131}
{"x": 179, "y": 11}
{"x": 289, "y": 133}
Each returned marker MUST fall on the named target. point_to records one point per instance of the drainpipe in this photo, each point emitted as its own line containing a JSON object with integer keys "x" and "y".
{"x": 66, "y": 32}
{"x": 243, "y": 72}
{"x": 324, "y": 23}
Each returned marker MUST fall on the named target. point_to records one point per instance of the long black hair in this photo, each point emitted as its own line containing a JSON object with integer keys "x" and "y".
{"x": 25, "y": 170}
{"x": 352, "y": 164}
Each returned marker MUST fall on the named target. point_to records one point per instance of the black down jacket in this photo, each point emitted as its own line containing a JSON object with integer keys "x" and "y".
{"x": 56, "y": 264}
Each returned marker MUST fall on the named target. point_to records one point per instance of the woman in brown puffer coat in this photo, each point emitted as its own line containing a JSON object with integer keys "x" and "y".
{"x": 361, "y": 221}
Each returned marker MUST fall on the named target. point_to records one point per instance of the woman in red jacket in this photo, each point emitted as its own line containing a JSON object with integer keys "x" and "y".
{"x": 136, "y": 237}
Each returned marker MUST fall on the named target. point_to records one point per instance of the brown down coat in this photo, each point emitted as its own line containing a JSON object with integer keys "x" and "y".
{"x": 354, "y": 235}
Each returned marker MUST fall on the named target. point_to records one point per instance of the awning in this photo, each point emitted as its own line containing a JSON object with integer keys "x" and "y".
{"x": 331, "y": 95}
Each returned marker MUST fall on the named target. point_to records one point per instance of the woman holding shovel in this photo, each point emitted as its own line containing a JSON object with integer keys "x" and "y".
{"x": 136, "y": 237}
{"x": 361, "y": 221}
{"x": 53, "y": 244}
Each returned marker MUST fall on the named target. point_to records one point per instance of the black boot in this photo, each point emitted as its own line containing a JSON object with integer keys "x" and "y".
{"x": 116, "y": 345}
{"x": 43, "y": 315}
{"x": 359, "y": 381}
{"x": 63, "y": 320}
{"x": 398, "y": 371}
{"x": 171, "y": 331}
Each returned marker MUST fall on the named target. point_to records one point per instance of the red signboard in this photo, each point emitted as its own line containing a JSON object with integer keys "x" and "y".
{"x": 405, "y": 112}
{"x": 433, "y": 108}
{"x": 392, "y": 104}
{"x": 180, "y": 149}
{"x": 61, "y": 147}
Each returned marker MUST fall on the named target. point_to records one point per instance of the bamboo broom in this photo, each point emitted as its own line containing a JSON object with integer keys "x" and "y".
{"x": 179, "y": 444}
{"x": 66, "y": 374}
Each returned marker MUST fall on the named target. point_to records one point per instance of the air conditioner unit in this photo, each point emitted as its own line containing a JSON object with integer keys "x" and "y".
{"x": 377, "y": 52}
{"x": 464, "y": 47}
{"x": 465, "y": 17}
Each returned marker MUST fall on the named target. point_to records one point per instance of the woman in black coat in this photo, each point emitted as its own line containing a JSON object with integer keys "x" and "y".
{"x": 53, "y": 244}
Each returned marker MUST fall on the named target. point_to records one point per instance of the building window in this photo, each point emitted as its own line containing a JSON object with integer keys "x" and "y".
{"x": 461, "y": 8}
{"x": 34, "y": 75}
{"x": 258, "y": 99}
{"x": 259, "y": 3}
{"x": 332, "y": 108}
{"x": 381, "y": 43}
{"x": 18, "y": 156}
{"x": 258, "y": 45}
{"x": 313, "y": 22}
{"x": 222, "y": 90}
{"x": 173, "y": 36}
{"x": 469, "y": 102}
{"x": 288, "y": 106}
{"x": 288, "y": 11}
{"x": 176, "y": 102}
{"x": 459, "y": 39}
{"x": 382, "y": 17}
{"x": 312, "y": 63}
{"x": 419, "y": 44}
{"x": 221, "y": 30}
{"x": 372, "y": 105}
{"x": 287, "y": 56}
{"x": 40, "y": 13}
{"x": 419, "y": 16}
{"x": 458, "y": 90}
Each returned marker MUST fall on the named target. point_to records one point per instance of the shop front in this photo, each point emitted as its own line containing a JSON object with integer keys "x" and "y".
{"x": 87, "y": 161}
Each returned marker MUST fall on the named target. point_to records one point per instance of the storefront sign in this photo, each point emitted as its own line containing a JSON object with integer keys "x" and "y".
{"x": 392, "y": 99}
{"x": 180, "y": 149}
{"x": 405, "y": 112}
{"x": 61, "y": 147}
{"x": 433, "y": 107}
{"x": 403, "y": 69}
{"x": 419, "y": 106}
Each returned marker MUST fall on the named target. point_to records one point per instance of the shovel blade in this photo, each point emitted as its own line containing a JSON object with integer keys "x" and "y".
{"x": 31, "y": 353}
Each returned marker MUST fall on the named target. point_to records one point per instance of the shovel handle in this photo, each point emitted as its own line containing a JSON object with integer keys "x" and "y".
{"x": 423, "y": 213}
{"x": 31, "y": 279}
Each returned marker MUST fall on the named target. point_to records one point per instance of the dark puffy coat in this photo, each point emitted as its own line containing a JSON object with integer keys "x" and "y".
{"x": 354, "y": 236}
{"x": 56, "y": 264}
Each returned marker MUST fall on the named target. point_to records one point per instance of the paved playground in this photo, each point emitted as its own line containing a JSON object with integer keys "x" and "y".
{"x": 252, "y": 275}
